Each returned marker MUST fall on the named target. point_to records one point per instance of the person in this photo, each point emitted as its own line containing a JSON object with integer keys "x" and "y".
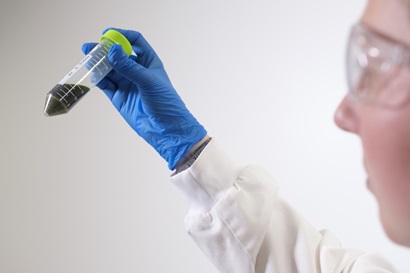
{"x": 235, "y": 215}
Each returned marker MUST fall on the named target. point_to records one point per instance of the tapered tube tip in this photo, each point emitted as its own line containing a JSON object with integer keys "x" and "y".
{"x": 54, "y": 106}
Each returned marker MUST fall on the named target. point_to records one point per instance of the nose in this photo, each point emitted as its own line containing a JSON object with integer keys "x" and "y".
{"x": 345, "y": 116}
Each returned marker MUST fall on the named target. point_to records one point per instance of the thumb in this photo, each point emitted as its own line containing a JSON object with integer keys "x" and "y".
{"x": 126, "y": 66}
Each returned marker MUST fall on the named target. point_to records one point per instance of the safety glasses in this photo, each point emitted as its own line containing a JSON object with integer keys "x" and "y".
{"x": 377, "y": 68}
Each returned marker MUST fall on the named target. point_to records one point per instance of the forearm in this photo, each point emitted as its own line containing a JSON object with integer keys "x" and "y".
{"x": 237, "y": 219}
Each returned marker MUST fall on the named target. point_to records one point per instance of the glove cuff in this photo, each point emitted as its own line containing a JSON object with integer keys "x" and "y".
{"x": 184, "y": 145}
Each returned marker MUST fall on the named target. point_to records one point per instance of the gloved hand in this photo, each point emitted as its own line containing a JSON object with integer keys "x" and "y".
{"x": 140, "y": 89}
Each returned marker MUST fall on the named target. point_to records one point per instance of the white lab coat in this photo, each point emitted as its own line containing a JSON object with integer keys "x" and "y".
{"x": 238, "y": 221}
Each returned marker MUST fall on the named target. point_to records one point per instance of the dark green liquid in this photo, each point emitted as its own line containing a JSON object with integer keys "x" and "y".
{"x": 62, "y": 97}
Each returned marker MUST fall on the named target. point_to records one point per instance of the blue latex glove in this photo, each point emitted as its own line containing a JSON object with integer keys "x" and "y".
{"x": 141, "y": 91}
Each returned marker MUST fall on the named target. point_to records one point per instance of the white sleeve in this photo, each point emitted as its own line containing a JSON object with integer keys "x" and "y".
{"x": 238, "y": 221}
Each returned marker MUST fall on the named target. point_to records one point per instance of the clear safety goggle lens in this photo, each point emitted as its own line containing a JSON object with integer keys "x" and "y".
{"x": 375, "y": 68}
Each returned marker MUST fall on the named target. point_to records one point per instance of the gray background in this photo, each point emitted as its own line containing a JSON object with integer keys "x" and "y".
{"x": 83, "y": 193}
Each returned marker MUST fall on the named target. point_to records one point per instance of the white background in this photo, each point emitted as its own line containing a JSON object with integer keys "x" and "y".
{"x": 83, "y": 193}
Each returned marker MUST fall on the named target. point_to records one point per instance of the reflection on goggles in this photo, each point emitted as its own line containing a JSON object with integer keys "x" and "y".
{"x": 377, "y": 70}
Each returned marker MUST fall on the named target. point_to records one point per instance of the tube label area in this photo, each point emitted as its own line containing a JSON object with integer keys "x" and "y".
{"x": 76, "y": 68}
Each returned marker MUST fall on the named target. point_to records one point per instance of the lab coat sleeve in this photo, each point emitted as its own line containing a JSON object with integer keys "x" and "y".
{"x": 237, "y": 219}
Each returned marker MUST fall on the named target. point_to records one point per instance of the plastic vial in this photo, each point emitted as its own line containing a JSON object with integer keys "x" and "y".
{"x": 85, "y": 75}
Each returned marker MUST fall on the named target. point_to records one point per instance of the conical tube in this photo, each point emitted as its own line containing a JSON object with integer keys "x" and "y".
{"x": 89, "y": 72}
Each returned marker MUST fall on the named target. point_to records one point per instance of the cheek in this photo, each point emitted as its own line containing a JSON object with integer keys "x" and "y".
{"x": 386, "y": 143}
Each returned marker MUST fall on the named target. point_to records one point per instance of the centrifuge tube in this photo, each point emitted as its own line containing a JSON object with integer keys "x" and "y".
{"x": 85, "y": 75}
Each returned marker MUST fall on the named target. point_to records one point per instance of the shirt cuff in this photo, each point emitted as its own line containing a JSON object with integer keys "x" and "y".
{"x": 207, "y": 180}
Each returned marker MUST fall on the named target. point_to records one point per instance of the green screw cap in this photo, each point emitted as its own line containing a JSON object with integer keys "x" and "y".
{"x": 118, "y": 38}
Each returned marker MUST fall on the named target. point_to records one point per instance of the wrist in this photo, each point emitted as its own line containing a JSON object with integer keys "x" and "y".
{"x": 196, "y": 146}
{"x": 192, "y": 154}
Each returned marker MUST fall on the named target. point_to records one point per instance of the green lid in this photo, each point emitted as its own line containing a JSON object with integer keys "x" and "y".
{"x": 118, "y": 38}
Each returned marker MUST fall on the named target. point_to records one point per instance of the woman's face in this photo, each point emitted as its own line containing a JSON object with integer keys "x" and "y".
{"x": 385, "y": 131}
